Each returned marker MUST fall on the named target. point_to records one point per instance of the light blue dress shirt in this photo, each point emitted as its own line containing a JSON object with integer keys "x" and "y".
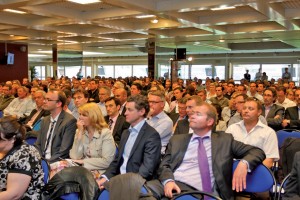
{"x": 134, "y": 132}
{"x": 163, "y": 124}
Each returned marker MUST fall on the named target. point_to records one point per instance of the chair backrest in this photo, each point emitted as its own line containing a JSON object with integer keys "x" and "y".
{"x": 46, "y": 169}
{"x": 30, "y": 140}
{"x": 285, "y": 133}
{"x": 261, "y": 179}
{"x": 282, "y": 186}
{"x": 189, "y": 196}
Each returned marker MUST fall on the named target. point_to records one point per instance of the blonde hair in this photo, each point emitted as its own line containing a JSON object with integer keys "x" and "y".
{"x": 93, "y": 112}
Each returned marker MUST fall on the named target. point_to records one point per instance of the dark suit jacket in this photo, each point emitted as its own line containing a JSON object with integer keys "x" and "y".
{"x": 174, "y": 117}
{"x": 94, "y": 95}
{"x": 144, "y": 157}
{"x": 182, "y": 126}
{"x": 63, "y": 136}
{"x": 292, "y": 189}
{"x": 275, "y": 110}
{"x": 119, "y": 127}
{"x": 291, "y": 113}
{"x": 224, "y": 149}
{"x": 43, "y": 113}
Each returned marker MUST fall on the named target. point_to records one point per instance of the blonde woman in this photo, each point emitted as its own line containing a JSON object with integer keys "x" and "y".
{"x": 94, "y": 147}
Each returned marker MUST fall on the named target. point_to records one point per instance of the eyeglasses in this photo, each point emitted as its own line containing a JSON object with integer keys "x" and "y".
{"x": 240, "y": 102}
{"x": 154, "y": 102}
{"x": 47, "y": 99}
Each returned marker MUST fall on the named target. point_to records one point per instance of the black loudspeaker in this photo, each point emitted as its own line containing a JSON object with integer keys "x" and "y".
{"x": 180, "y": 54}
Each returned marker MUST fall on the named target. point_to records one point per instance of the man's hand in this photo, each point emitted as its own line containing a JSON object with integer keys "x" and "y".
{"x": 101, "y": 182}
{"x": 285, "y": 122}
{"x": 169, "y": 187}
{"x": 239, "y": 177}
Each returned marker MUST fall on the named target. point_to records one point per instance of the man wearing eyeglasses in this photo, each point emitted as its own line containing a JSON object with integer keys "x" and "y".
{"x": 158, "y": 119}
{"x": 55, "y": 138}
{"x": 203, "y": 160}
{"x": 239, "y": 104}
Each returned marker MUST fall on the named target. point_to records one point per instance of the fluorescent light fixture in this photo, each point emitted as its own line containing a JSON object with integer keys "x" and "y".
{"x": 223, "y": 7}
{"x": 87, "y": 53}
{"x": 85, "y": 1}
{"x": 36, "y": 55}
{"x": 14, "y": 11}
{"x": 144, "y": 16}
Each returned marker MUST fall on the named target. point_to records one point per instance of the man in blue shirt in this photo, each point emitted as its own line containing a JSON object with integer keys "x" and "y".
{"x": 140, "y": 145}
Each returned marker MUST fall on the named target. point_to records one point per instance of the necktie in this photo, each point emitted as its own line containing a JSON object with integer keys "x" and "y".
{"x": 49, "y": 138}
{"x": 203, "y": 166}
{"x": 110, "y": 122}
{"x": 232, "y": 112}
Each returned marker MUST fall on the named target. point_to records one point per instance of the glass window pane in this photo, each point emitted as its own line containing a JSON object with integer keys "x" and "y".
{"x": 88, "y": 71}
{"x": 220, "y": 72}
{"x": 72, "y": 71}
{"x": 164, "y": 71}
{"x": 240, "y": 69}
{"x": 275, "y": 70}
{"x": 201, "y": 71}
{"x": 183, "y": 72}
{"x": 123, "y": 71}
{"x": 106, "y": 71}
{"x": 140, "y": 70}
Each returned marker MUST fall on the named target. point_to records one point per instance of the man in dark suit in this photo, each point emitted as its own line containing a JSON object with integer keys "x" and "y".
{"x": 292, "y": 189}
{"x": 140, "y": 145}
{"x": 117, "y": 123}
{"x": 121, "y": 94}
{"x": 272, "y": 112}
{"x": 56, "y": 136}
{"x": 214, "y": 149}
{"x": 93, "y": 91}
{"x": 291, "y": 117}
{"x": 183, "y": 125}
{"x": 38, "y": 113}
{"x": 182, "y": 114}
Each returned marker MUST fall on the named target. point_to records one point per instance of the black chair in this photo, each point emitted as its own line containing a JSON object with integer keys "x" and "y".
{"x": 189, "y": 196}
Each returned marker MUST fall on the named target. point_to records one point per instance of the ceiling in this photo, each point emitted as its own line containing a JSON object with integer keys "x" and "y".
{"x": 111, "y": 27}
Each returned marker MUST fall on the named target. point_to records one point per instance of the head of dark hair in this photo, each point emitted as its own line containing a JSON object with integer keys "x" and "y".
{"x": 11, "y": 128}
{"x": 141, "y": 102}
{"x": 82, "y": 91}
{"x": 117, "y": 101}
{"x": 138, "y": 86}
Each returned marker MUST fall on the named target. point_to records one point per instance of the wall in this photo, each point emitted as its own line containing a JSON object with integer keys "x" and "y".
{"x": 19, "y": 69}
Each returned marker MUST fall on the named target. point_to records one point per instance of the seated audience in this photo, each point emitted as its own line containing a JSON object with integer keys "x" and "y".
{"x": 203, "y": 160}
{"x": 140, "y": 145}
{"x": 6, "y": 98}
{"x": 182, "y": 114}
{"x": 116, "y": 122}
{"x": 282, "y": 100}
{"x": 220, "y": 123}
{"x": 56, "y": 136}
{"x": 158, "y": 119}
{"x": 20, "y": 106}
{"x": 272, "y": 112}
{"x": 292, "y": 188}
{"x": 93, "y": 147}
{"x": 80, "y": 98}
{"x": 219, "y": 98}
{"x": 292, "y": 117}
{"x": 253, "y": 132}
{"x": 21, "y": 172}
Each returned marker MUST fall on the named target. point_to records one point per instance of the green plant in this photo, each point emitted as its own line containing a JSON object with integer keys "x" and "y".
{"x": 33, "y": 72}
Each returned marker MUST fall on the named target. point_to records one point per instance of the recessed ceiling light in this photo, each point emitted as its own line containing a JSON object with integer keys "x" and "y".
{"x": 155, "y": 21}
{"x": 11, "y": 35}
{"x": 221, "y": 40}
{"x": 14, "y": 11}
{"x": 223, "y": 8}
{"x": 144, "y": 16}
{"x": 190, "y": 58}
{"x": 85, "y": 1}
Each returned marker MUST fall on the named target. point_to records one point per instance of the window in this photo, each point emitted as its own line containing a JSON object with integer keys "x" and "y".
{"x": 202, "y": 71}
{"x": 123, "y": 71}
{"x": 275, "y": 70}
{"x": 140, "y": 70}
{"x": 240, "y": 69}
{"x": 106, "y": 71}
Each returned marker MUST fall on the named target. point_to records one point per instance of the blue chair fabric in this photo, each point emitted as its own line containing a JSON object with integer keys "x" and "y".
{"x": 105, "y": 194}
{"x": 30, "y": 140}
{"x": 46, "y": 169}
{"x": 285, "y": 133}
